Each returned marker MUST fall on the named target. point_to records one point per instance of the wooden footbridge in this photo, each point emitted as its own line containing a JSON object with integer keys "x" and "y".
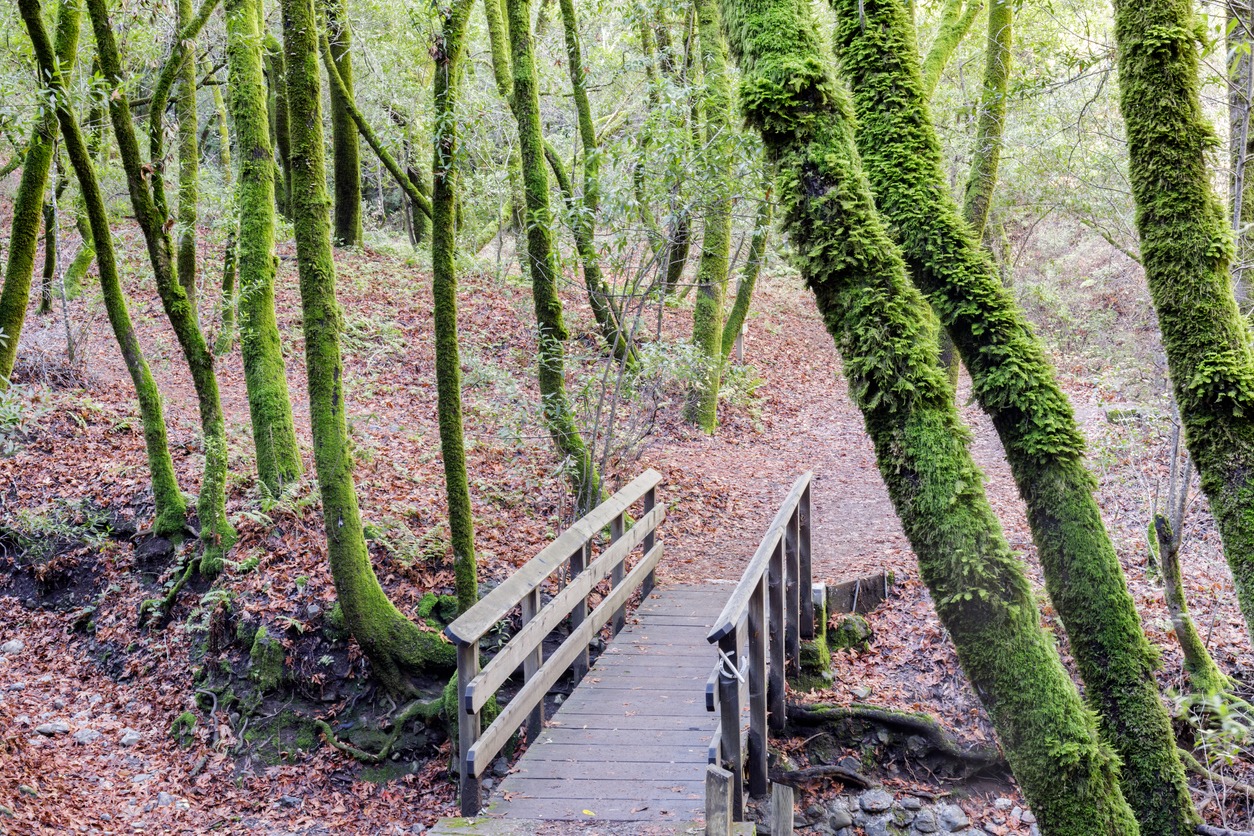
{"x": 668, "y": 729}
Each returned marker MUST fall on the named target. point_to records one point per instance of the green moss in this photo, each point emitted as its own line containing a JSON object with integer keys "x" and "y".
{"x": 441, "y": 609}
{"x": 887, "y": 339}
{"x": 183, "y": 729}
{"x": 346, "y": 155}
{"x": 266, "y": 660}
{"x": 1015, "y": 384}
{"x": 852, "y": 633}
{"x": 986, "y": 155}
{"x": 956, "y": 21}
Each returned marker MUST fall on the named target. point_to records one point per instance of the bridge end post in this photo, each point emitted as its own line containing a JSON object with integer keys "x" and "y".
{"x": 650, "y": 580}
{"x": 757, "y": 691}
{"x": 804, "y": 564}
{"x": 718, "y": 801}
{"x": 467, "y": 728}
{"x": 729, "y": 718}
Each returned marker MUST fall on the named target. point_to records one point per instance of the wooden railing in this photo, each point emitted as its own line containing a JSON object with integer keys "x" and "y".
{"x": 759, "y": 637}
{"x": 475, "y": 686}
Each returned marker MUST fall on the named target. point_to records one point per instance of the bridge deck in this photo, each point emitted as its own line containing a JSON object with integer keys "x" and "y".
{"x": 631, "y": 742}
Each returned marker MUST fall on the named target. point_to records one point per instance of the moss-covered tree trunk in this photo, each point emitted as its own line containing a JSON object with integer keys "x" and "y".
{"x": 1186, "y": 250}
{"x": 395, "y": 646}
{"x": 887, "y": 340}
{"x": 151, "y": 212}
{"x": 28, "y": 205}
{"x": 550, "y": 329}
{"x": 222, "y": 122}
{"x": 189, "y": 162}
{"x": 749, "y": 273}
{"x": 50, "y": 249}
{"x": 1015, "y": 384}
{"x": 716, "y": 178}
{"x": 170, "y": 509}
{"x": 1240, "y": 41}
{"x": 346, "y": 167}
{"x": 498, "y": 41}
{"x": 583, "y": 221}
{"x": 986, "y": 155}
{"x": 449, "y": 50}
{"x": 280, "y": 126}
{"x": 956, "y": 21}
{"x": 229, "y": 299}
{"x": 269, "y": 401}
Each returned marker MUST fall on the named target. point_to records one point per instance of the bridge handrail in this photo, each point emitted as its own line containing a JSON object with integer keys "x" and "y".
{"x": 476, "y": 686}
{"x": 772, "y": 601}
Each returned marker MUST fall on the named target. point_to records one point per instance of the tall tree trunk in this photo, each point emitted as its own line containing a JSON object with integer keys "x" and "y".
{"x": 229, "y": 300}
{"x": 189, "y": 163}
{"x": 749, "y": 273}
{"x": 885, "y": 334}
{"x": 498, "y": 41}
{"x": 1240, "y": 40}
{"x": 28, "y": 206}
{"x": 50, "y": 249}
{"x": 956, "y": 22}
{"x": 551, "y": 330}
{"x": 269, "y": 401}
{"x": 224, "y": 131}
{"x": 280, "y": 125}
{"x": 170, "y": 510}
{"x": 985, "y": 157}
{"x": 583, "y": 219}
{"x": 1015, "y": 384}
{"x": 393, "y": 643}
{"x": 346, "y": 168}
{"x": 450, "y": 48}
{"x": 719, "y": 157}
{"x": 1185, "y": 252}
{"x": 216, "y": 533}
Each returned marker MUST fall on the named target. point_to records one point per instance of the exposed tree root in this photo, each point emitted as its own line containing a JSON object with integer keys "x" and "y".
{"x": 922, "y": 725}
{"x": 425, "y": 709}
{"x": 1192, "y": 764}
{"x": 161, "y": 606}
{"x": 1211, "y": 830}
{"x": 844, "y": 774}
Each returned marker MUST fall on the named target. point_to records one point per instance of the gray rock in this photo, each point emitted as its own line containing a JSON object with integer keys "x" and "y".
{"x": 23, "y": 720}
{"x": 55, "y": 727}
{"x": 164, "y": 799}
{"x": 500, "y": 767}
{"x": 1003, "y": 803}
{"x": 925, "y": 822}
{"x": 12, "y": 646}
{"x": 1028, "y": 817}
{"x": 85, "y": 736}
{"x": 15, "y": 686}
{"x": 877, "y": 826}
{"x": 140, "y": 778}
{"x": 130, "y": 737}
{"x": 1017, "y": 813}
{"x": 951, "y": 817}
{"x": 911, "y": 803}
{"x": 58, "y": 703}
{"x": 875, "y": 801}
{"x": 901, "y": 816}
{"x": 488, "y": 784}
{"x": 289, "y": 801}
{"x": 840, "y": 816}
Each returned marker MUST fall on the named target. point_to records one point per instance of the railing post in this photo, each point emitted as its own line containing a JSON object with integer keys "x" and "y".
{"x": 467, "y": 726}
{"x": 806, "y": 579}
{"x": 616, "y": 576}
{"x": 646, "y": 588}
{"x": 757, "y": 691}
{"x": 531, "y": 606}
{"x": 775, "y": 610}
{"x": 792, "y": 606}
{"x": 579, "y": 562}
{"x": 729, "y": 720}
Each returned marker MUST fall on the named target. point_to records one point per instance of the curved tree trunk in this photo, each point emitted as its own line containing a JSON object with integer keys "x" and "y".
{"x": 280, "y": 129}
{"x": 551, "y": 330}
{"x": 448, "y": 374}
{"x": 707, "y": 315}
{"x": 189, "y": 163}
{"x": 985, "y": 157}
{"x": 1186, "y": 252}
{"x": 498, "y": 41}
{"x": 170, "y": 510}
{"x": 28, "y": 206}
{"x": 265, "y": 376}
{"x": 346, "y": 168}
{"x": 216, "y": 533}
{"x": 749, "y": 275}
{"x": 882, "y": 327}
{"x": 395, "y": 645}
{"x": 955, "y": 24}
{"x": 1015, "y": 384}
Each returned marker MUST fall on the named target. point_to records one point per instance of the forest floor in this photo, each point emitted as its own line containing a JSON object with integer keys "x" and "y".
{"x": 73, "y": 482}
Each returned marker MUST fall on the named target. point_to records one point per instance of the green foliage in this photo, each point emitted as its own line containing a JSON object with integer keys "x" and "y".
{"x": 41, "y": 533}
{"x": 183, "y": 729}
{"x": 266, "y": 661}
{"x": 19, "y": 410}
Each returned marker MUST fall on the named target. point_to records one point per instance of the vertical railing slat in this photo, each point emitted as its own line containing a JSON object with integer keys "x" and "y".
{"x": 807, "y": 576}
{"x": 792, "y": 607}
{"x": 467, "y": 726}
{"x": 616, "y": 576}
{"x": 530, "y": 607}
{"x": 775, "y": 613}
{"x": 729, "y": 720}
{"x": 650, "y": 580}
{"x": 757, "y": 691}
{"x": 579, "y": 562}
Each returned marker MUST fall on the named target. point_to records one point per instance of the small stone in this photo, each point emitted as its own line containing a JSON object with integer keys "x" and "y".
{"x": 861, "y": 692}
{"x": 500, "y": 767}
{"x": 1034, "y": 831}
{"x": 925, "y": 822}
{"x": 878, "y": 826}
{"x": 1003, "y": 803}
{"x": 1028, "y": 817}
{"x": 289, "y": 801}
{"x": 875, "y": 801}
{"x": 140, "y": 778}
{"x": 164, "y": 799}
{"x": 901, "y": 816}
{"x": 840, "y": 816}
{"x": 911, "y": 803}
{"x": 15, "y": 686}
{"x": 85, "y": 736}
{"x": 12, "y": 646}
{"x": 23, "y": 720}
{"x": 559, "y": 699}
{"x": 313, "y": 611}
{"x": 58, "y": 703}
{"x": 55, "y": 727}
{"x": 1017, "y": 813}
{"x": 951, "y": 817}
{"x": 488, "y": 784}
{"x": 130, "y": 737}
{"x": 995, "y": 830}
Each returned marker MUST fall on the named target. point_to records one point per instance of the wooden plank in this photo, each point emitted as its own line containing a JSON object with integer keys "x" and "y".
{"x": 589, "y": 789}
{"x": 781, "y": 810}
{"x": 626, "y": 754}
{"x": 662, "y": 739}
{"x": 644, "y": 721}
{"x": 718, "y": 801}
{"x": 608, "y": 810}
{"x": 496, "y": 735}
{"x": 477, "y": 620}
{"x": 612, "y": 707}
{"x": 734, "y": 610}
{"x": 603, "y": 771}
{"x": 533, "y": 633}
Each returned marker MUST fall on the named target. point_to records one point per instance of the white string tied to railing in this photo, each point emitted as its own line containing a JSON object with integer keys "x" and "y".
{"x": 727, "y": 668}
